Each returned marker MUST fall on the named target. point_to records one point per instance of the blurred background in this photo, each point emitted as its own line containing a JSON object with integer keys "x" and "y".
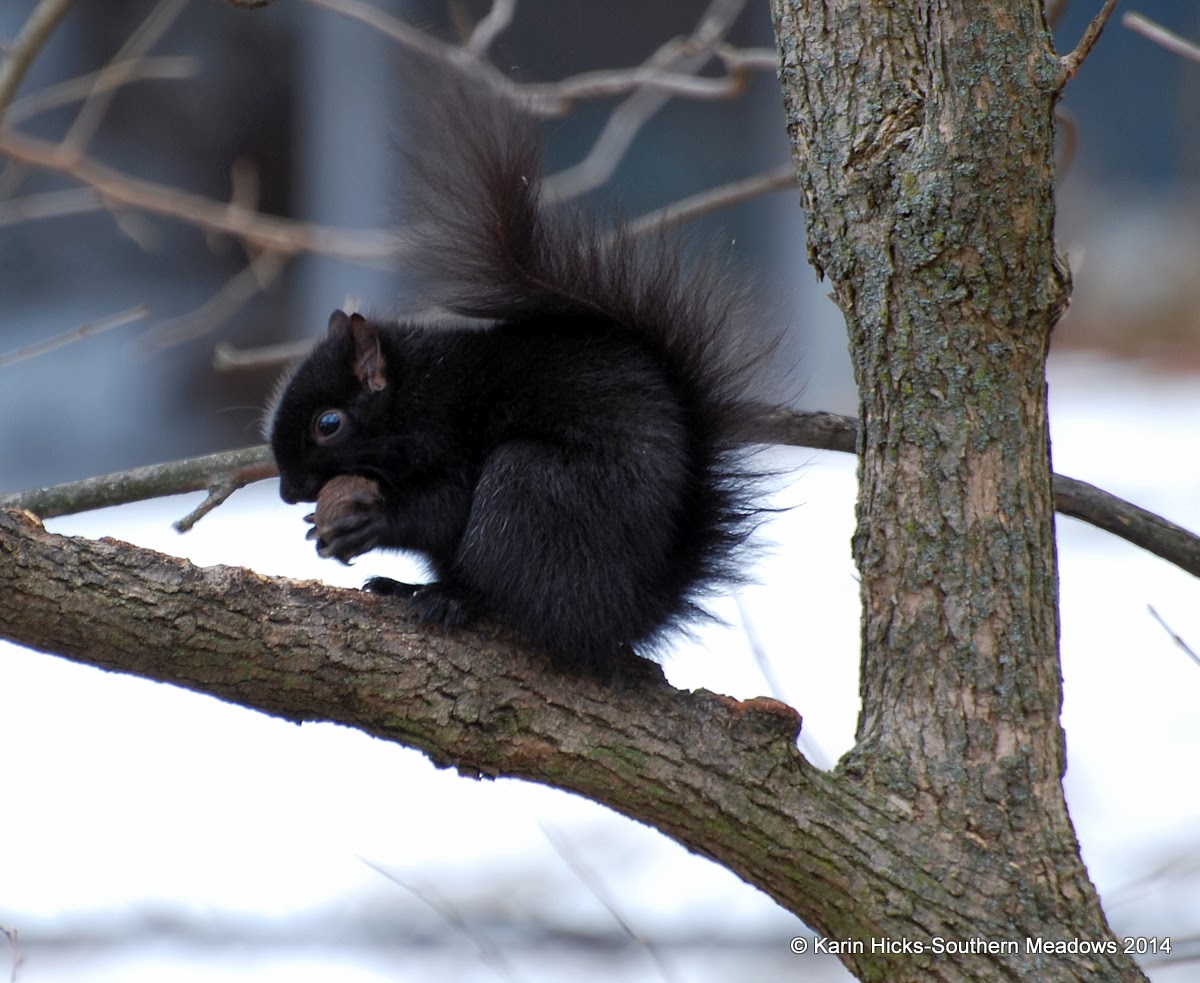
{"x": 152, "y": 833}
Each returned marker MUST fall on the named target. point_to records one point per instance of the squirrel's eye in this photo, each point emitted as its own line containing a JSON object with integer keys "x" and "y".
{"x": 327, "y": 424}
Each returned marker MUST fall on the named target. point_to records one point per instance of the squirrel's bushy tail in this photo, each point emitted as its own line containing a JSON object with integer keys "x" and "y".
{"x": 484, "y": 245}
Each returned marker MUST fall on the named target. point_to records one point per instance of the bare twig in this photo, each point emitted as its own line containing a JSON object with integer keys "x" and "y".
{"x": 823, "y": 431}
{"x": 1174, "y": 637}
{"x": 593, "y": 883}
{"x": 234, "y": 294}
{"x": 1069, "y": 63}
{"x": 49, "y": 204}
{"x": 262, "y": 231}
{"x": 491, "y": 27}
{"x": 489, "y": 953}
{"x": 75, "y": 334}
{"x": 221, "y": 489}
{"x": 1161, "y": 36}
{"x": 17, "y": 956}
{"x": 732, "y": 193}
{"x": 140, "y": 484}
{"x": 119, "y": 74}
{"x": 37, "y": 30}
{"x": 610, "y": 82}
{"x": 626, "y": 121}
{"x": 227, "y": 358}
{"x": 554, "y": 98}
{"x": 415, "y": 39}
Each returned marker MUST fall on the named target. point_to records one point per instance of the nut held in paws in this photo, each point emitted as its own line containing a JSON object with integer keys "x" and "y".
{"x": 342, "y": 496}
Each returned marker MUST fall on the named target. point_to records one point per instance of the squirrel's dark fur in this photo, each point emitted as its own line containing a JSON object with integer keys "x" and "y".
{"x": 574, "y": 465}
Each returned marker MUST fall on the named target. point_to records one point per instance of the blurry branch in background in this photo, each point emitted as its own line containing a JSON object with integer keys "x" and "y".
{"x": 233, "y": 295}
{"x": 69, "y": 337}
{"x": 1054, "y": 12}
{"x": 267, "y": 232}
{"x": 590, "y": 879}
{"x": 16, "y": 957}
{"x": 625, "y": 122}
{"x": 1187, "y": 649}
{"x": 113, "y": 76}
{"x": 491, "y": 26}
{"x": 734, "y": 192}
{"x": 222, "y": 474}
{"x": 1160, "y": 35}
{"x": 490, "y": 954}
{"x": 20, "y": 54}
{"x": 116, "y": 73}
{"x": 269, "y": 241}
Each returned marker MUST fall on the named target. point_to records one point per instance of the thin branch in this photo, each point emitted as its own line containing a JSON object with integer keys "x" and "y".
{"x": 422, "y": 42}
{"x": 221, "y": 489}
{"x": 1174, "y": 637}
{"x": 554, "y": 98}
{"x": 140, "y": 484}
{"x": 603, "y": 83}
{"x": 489, "y": 953}
{"x": 722, "y": 196}
{"x": 1139, "y": 526}
{"x": 15, "y": 955}
{"x": 492, "y": 26}
{"x": 1161, "y": 36}
{"x": 167, "y": 67}
{"x": 116, "y": 72}
{"x": 227, "y": 358}
{"x": 234, "y": 294}
{"x": 262, "y": 231}
{"x": 591, "y": 880}
{"x": 49, "y": 204}
{"x": 627, "y": 120}
{"x": 75, "y": 334}
{"x": 1069, "y": 64}
{"x": 37, "y": 30}
{"x": 818, "y": 430}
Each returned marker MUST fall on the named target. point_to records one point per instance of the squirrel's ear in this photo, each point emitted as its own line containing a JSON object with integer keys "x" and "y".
{"x": 339, "y": 324}
{"x": 368, "y": 355}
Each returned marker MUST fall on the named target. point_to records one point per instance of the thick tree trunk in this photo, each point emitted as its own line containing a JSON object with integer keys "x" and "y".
{"x": 923, "y": 134}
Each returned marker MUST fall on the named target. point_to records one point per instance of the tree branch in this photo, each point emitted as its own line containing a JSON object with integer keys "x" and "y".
{"x": 721, "y": 776}
{"x": 75, "y": 334}
{"x": 222, "y": 474}
{"x": 1161, "y": 36}
{"x": 262, "y": 231}
{"x": 140, "y": 484}
{"x": 1069, "y": 63}
{"x": 469, "y": 699}
{"x": 37, "y": 30}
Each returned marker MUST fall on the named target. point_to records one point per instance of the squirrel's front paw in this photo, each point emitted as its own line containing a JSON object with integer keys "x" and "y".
{"x": 349, "y": 519}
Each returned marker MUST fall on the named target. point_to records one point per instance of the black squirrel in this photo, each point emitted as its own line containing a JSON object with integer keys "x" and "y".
{"x": 571, "y": 457}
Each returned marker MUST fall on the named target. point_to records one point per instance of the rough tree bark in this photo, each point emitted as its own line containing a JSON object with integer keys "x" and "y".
{"x": 923, "y": 136}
